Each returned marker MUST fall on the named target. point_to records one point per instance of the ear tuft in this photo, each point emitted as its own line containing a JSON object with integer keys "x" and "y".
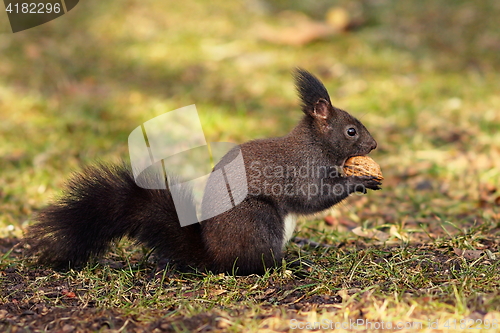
{"x": 311, "y": 92}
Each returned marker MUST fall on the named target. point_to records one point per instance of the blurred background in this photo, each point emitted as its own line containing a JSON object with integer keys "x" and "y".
{"x": 421, "y": 75}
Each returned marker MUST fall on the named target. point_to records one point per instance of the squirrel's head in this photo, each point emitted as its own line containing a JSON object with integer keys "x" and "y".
{"x": 341, "y": 134}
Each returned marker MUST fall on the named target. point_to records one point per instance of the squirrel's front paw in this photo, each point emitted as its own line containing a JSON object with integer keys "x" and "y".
{"x": 362, "y": 183}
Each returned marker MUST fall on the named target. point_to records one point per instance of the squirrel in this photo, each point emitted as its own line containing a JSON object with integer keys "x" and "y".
{"x": 103, "y": 203}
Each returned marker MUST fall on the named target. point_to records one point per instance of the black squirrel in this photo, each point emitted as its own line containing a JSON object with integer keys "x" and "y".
{"x": 103, "y": 203}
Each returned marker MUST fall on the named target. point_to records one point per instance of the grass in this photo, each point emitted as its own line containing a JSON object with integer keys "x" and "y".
{"x": 422, "y": 77}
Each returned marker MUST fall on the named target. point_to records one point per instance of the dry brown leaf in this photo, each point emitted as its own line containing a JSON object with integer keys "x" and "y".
{"x": 468, "y": 254}
{"x": 296, "y": 29}
{"x": 217, "y": 292}
{"x": 333, "y": 221}
{"x": 298, "y": 35}
{"x": 371, "y": 233}
{"x": 330, "y": 220}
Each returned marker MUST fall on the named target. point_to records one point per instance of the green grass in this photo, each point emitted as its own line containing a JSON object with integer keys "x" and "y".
{"x": 423, "y": 78}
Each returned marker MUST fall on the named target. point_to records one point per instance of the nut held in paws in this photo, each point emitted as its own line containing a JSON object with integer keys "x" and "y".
{"x": 362, "y": 166}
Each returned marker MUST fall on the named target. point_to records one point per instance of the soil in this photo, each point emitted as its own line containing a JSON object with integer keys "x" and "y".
{"x": 40, "y": 299}
{"x": 52, "y": 307}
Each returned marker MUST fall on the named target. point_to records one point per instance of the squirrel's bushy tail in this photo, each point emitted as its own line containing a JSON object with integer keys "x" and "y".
{"x": 103, "y": 204}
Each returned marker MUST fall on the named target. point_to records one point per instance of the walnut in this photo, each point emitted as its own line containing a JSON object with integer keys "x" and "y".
{"x": 362, "y": 166}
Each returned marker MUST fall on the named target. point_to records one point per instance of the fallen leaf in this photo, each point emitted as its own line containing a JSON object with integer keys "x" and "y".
{"x": 468, "y": 254}
{"x": 299, "y": 35}
{"x": 296, "y": 29}
{"x": 333, "y": 221}
{"x": 218, "y": 292}
{"x": 330, "y": 220}
{"x": 371, "y": 233}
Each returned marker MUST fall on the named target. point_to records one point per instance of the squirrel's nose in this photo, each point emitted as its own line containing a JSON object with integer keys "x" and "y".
{"x": 374, "y": 145}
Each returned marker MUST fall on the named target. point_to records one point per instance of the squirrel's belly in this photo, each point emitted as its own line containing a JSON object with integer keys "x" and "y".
{"x": 289, "y": 224}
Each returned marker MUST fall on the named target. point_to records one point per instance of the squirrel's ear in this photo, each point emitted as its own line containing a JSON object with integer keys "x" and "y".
{"x": 323, "y": 109}
{"x": 315, "y": 99}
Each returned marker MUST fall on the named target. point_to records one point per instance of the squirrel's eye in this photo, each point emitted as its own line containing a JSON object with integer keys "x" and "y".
{"x": 351, "y": 131}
